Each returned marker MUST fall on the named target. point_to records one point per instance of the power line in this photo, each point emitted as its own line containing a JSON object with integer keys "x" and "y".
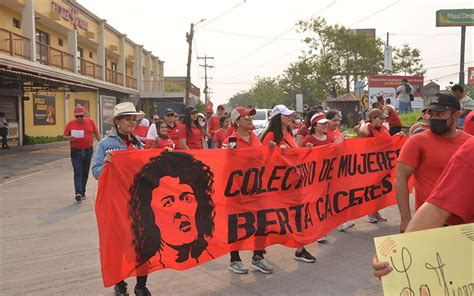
{"x": 222, "y": 14}
{"x": 273, "y": 39}
{"x": 377, "y": 12}
{"x": 445, "y": 66}
{"x": 249, "y": 36}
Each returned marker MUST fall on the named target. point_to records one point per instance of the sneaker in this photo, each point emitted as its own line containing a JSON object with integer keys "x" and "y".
{"x": 323, "y": 239}
{"x": 372, "y": 218}
{"x": 238, "y": 267}
{"x": 304, "y": 256}
{"x": 346, "y": 225}
{"x": 78, "y": 197}
{"x": 142, "y": 292}
{"x": 83, "y": 197}
{"x": 262, "y": 265}
{"x": 379, "y": 217}
{"x": 120, "y": 289}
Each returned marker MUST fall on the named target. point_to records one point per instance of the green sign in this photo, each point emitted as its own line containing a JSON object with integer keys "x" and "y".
{"x": 454, "y": 17}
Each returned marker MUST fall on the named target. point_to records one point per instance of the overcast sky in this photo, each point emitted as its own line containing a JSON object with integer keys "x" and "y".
{"x": 258, "y": 37}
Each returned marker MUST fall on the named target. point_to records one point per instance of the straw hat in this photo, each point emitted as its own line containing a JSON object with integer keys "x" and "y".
{"x": 126, "y": 108}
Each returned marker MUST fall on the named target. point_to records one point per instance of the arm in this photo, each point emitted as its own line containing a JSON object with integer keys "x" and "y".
{"x": 182, "y": 143}
{"x": 68, "y": 138}
{"x": 299, "y": 140}
{"x": 98, "y": 161}
{"x": 404, "y": 173}
{"x": 97, "y": 135}
{"x": 428, "y": 216}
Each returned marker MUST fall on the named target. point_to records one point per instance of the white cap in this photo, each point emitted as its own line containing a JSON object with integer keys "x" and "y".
{"x": 281, "y": 109}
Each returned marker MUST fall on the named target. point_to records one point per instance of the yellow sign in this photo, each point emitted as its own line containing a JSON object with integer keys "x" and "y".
{"x": 432, "y": 262}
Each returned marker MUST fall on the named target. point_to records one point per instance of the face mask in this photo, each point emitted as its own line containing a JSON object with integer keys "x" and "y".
{"x": 202, "y": 123}
{"x": 298, "y": 121}
{"x": 439, "y": 126}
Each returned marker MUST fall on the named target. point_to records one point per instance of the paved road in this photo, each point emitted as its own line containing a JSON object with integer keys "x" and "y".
{"x": 49, "y": 246}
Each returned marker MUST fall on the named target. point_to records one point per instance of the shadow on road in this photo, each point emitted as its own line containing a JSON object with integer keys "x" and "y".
{"x": 60, "y": 214}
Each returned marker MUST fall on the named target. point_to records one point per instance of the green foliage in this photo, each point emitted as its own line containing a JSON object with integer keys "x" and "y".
{"x": 468, "y": 89}
{"x": 408, "y": 61}
{"x": 172, "y": 86}
{"x": 263, "y": 94}
{"x": 201, "y": 107}
{"x": 32, "y": 140}
{"x": 408, "y": 119}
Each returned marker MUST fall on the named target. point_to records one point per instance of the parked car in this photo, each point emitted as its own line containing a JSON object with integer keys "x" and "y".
{"x": 260, "y": 120}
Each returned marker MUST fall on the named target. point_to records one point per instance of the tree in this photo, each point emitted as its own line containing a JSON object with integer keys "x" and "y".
{"x": 408, "y": 60}
{"x": 242, "y": 98}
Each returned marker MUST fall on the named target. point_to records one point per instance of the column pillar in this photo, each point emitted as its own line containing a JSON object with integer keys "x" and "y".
{"x": 29, "y": 26}
{"x": 72, "y": 49}
{"x": 121, "y": 66}
{"x": 101, "y": 49}
{"x": 138, "y": 67}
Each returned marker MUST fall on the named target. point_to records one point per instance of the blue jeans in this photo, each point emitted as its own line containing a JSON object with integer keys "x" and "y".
{"x": 81, "y": 163}
{"x": 404, "y": 107}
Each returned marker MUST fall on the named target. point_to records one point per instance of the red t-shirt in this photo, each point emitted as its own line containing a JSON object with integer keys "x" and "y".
{"x": 194, "y": 140}
{"x": 241, "y": 143}
{"x": 469, "y": 123}
{"x": 173, "y": 133}
{"x": 87, "y": 126}
{"x": 303, "y": 131}
{"x": 214, "y": 124}
{"x": 140, "y": 131}
{"x": 316, "y": 142}
{"x": 393, "y": 118}
{"x": 429, "y": 154}
{"x": 230, "y": 131}
{"x": 454, "y": 191}
{"x": 378, "y": 132}
{"x": 287, "y": 140}
{"x": 334, "y": 135}
{"x": 295, "y": 128}
{"x": 219, "y": 137}
{"x": 166, "y": 143}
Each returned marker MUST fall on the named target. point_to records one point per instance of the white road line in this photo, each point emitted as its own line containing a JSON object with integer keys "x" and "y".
{"x": 23, "y": 177}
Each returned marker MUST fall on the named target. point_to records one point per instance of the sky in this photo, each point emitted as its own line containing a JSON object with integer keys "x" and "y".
{"x": 250, "y": 38}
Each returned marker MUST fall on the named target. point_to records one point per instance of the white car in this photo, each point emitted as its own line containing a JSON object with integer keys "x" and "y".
{"x": 260, "y": 120}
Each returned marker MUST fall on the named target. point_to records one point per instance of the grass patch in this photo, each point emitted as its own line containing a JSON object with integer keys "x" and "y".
{"x": 408, "y": 119}
{"x": 32, "y": 140}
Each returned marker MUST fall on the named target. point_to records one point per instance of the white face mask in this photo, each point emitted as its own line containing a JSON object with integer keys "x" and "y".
{"x": 298, "y": 121}
{"x": 202, "y": 123}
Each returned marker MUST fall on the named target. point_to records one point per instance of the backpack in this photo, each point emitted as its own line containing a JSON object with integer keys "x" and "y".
{"x": 408, "y": 91}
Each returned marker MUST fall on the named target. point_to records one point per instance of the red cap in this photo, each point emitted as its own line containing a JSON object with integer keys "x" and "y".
{"x": 318, "y": 118}
{"x": 79, "y": 111}
{"x": 209, "y": 110}
{"x": 241, "y": 111}
{"x": 220, "y": 107}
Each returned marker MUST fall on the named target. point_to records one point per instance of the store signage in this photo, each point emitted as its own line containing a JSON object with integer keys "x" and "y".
{"x": 70, "y": 14}
{"x": 454, "y": 17}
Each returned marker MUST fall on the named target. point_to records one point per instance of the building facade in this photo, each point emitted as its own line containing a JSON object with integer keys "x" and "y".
{"x": 55, "y": 55}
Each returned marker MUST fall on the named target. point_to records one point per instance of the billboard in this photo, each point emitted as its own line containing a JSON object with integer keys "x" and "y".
{"x": 44, "y": 110}
{"x": 454, "y": 17}
{"x": 470, "y": 75}
{"x": 386, "y": 86}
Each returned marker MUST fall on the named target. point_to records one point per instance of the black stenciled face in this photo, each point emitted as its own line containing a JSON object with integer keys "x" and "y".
{"x": 171, "y": 204}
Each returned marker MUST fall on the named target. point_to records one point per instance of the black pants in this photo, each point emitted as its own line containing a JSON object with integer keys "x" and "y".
{"x": 235, "y": 256}
{"x": 141, "y": 282}
{"x": 4, "y": 134}
{"x": 394, "y": 130}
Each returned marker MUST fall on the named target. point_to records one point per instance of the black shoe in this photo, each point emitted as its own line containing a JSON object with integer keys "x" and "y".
{"x": 78, "y": 197}
{"x": 142, "y": 292}
{"x": 304, "y": 256}
{"x": 120, "y": 289}
{"x": 83, "y": 197}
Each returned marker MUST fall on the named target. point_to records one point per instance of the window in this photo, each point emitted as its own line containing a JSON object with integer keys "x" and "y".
{"x": 16, "y": 23}
{"x": 91, "y": 56}
{"x": 42, "y": 48}
{"x": 42, "y": 37}
{"x": 80, "y": 52}
{"x": 60, "y": 42}
{"x": 80, "y": 55}
{"x": 113, "y": 66}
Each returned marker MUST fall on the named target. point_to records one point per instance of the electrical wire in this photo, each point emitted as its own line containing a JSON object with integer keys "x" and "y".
{"x": 249, "y": 36}
{"x": 377, "y": 12}
{"x": 221, "y": 15}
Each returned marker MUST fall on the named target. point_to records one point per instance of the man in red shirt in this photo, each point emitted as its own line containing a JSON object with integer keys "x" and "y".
{"x": 425, "y": 155}
{"x": 214, "y": 123}
{"x": 79, "y": 132}
{"x": 393, "y": 120}
{"x": 469, "y": 123}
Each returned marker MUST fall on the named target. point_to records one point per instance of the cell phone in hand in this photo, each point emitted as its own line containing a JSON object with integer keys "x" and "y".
{"x": 232, "y": 142}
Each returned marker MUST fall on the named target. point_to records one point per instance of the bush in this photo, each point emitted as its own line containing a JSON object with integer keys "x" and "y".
{"x": 32, "y": 140}
{"x": 408, "y": 119}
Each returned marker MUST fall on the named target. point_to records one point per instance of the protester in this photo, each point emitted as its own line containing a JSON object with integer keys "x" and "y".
{"x": 155, "y": 118}
{"x": 219, "y": 135}
{"x": 394, "y": 122}
{"x": 404, "y": 93}
{"x": 191, "y": 135}
{"x": 141, "y": 131}
{"x": 202, "y": 122}
{"x": 317, "y": 132}
{"x": 278, "y": 133}
{"x": 79, "y": 132}
{"x": 163, "y": 140}
{"x": 422, "y": 124}
{"x": 426, "y": 154}
{"x": 214, "y": 121}
{"x": 469, "y": 123}
{"x": 374, "y": 129}
{"x": 171, "y": 125}
{"x": 333, "y": 125}
{"x": 304, "y": 129}
{"x": 296, "y": 124}
{"x": 467, "y": 103}
{"x": 244, "y": 137}
{"x": 4, "y": 131}
{"x": 145, "y": 122}
{"x": 124, "y": 119}
{"x": 451, "y": 201}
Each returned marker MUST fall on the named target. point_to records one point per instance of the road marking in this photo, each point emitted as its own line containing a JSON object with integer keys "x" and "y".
{"x": 23, "y": 177}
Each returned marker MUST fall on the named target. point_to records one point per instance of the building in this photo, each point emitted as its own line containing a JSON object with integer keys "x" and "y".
{"x": 350, "y": 107}
{"x": 55, "y": 55}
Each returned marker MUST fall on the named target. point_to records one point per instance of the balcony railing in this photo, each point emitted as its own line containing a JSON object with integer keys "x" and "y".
{"x": 90, "y": 69}
{"x": 131, "y": 82}
{"x": 113, "y": 77}
{"x": 152, "y": 86}
{"x": 50, "y": 56}
{"x": 14, "y": 44}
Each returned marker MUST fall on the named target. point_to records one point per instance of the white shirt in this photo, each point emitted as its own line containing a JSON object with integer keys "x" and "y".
{"x": 152, "y": 132}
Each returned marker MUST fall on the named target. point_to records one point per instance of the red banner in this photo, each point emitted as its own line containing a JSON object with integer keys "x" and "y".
{"x": 176, "y": 210}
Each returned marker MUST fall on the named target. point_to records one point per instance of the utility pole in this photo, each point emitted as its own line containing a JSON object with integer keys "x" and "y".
{"x": 189, "y": 40}
{"x": 206, "y": 87}
{"x": 463, "y": 49}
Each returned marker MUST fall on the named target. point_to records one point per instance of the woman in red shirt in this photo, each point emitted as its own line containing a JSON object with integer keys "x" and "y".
{"x": 191, "y": 135}
{"x": 304, "y": 129}
{"x": 163, "y": 140}
{"x": 318, "y": 132}
{"x": 374, "y": 129}
{"x": 333, "y": 125}
{"x": 219, "y": 135}
{"x": 278, "y": 133}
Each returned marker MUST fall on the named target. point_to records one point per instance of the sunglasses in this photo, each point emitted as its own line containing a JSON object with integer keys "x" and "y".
{"x": 79, "y": 116}
{"x": 171, "y": 114}
{"x": 247, "y": 117}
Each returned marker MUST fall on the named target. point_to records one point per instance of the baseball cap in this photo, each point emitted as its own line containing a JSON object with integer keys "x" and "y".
{"x": 79, "y": 111}
{"x": 280, "y": 109}
{"x": 318, "y": 118}
{"x": 241, "y": 111}
{"x": 189, "y": 109}
{"x": 220, "y": 107}
{"x": 376, "y": 112}
{"x": 444, "y": 102}
{"x": 209, "y": 110}
{"x": 169, "y": 111}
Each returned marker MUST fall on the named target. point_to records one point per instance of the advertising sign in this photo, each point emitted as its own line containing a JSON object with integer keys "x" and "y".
{"x": 106, "y": 110}
{"x": 454, "y": 17}
{"x": 83, "y": 103}
{"x": 386, "y": 86}
{"x": 299, "y": 103}
{"x": 44, "y": 110}
{"x": 470, "y": 75}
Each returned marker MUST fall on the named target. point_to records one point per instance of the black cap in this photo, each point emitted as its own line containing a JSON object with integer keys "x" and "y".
{"x": 444, "y": 102}
{"x": 189, "y": 109}
{"x": 169, "y": 111}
